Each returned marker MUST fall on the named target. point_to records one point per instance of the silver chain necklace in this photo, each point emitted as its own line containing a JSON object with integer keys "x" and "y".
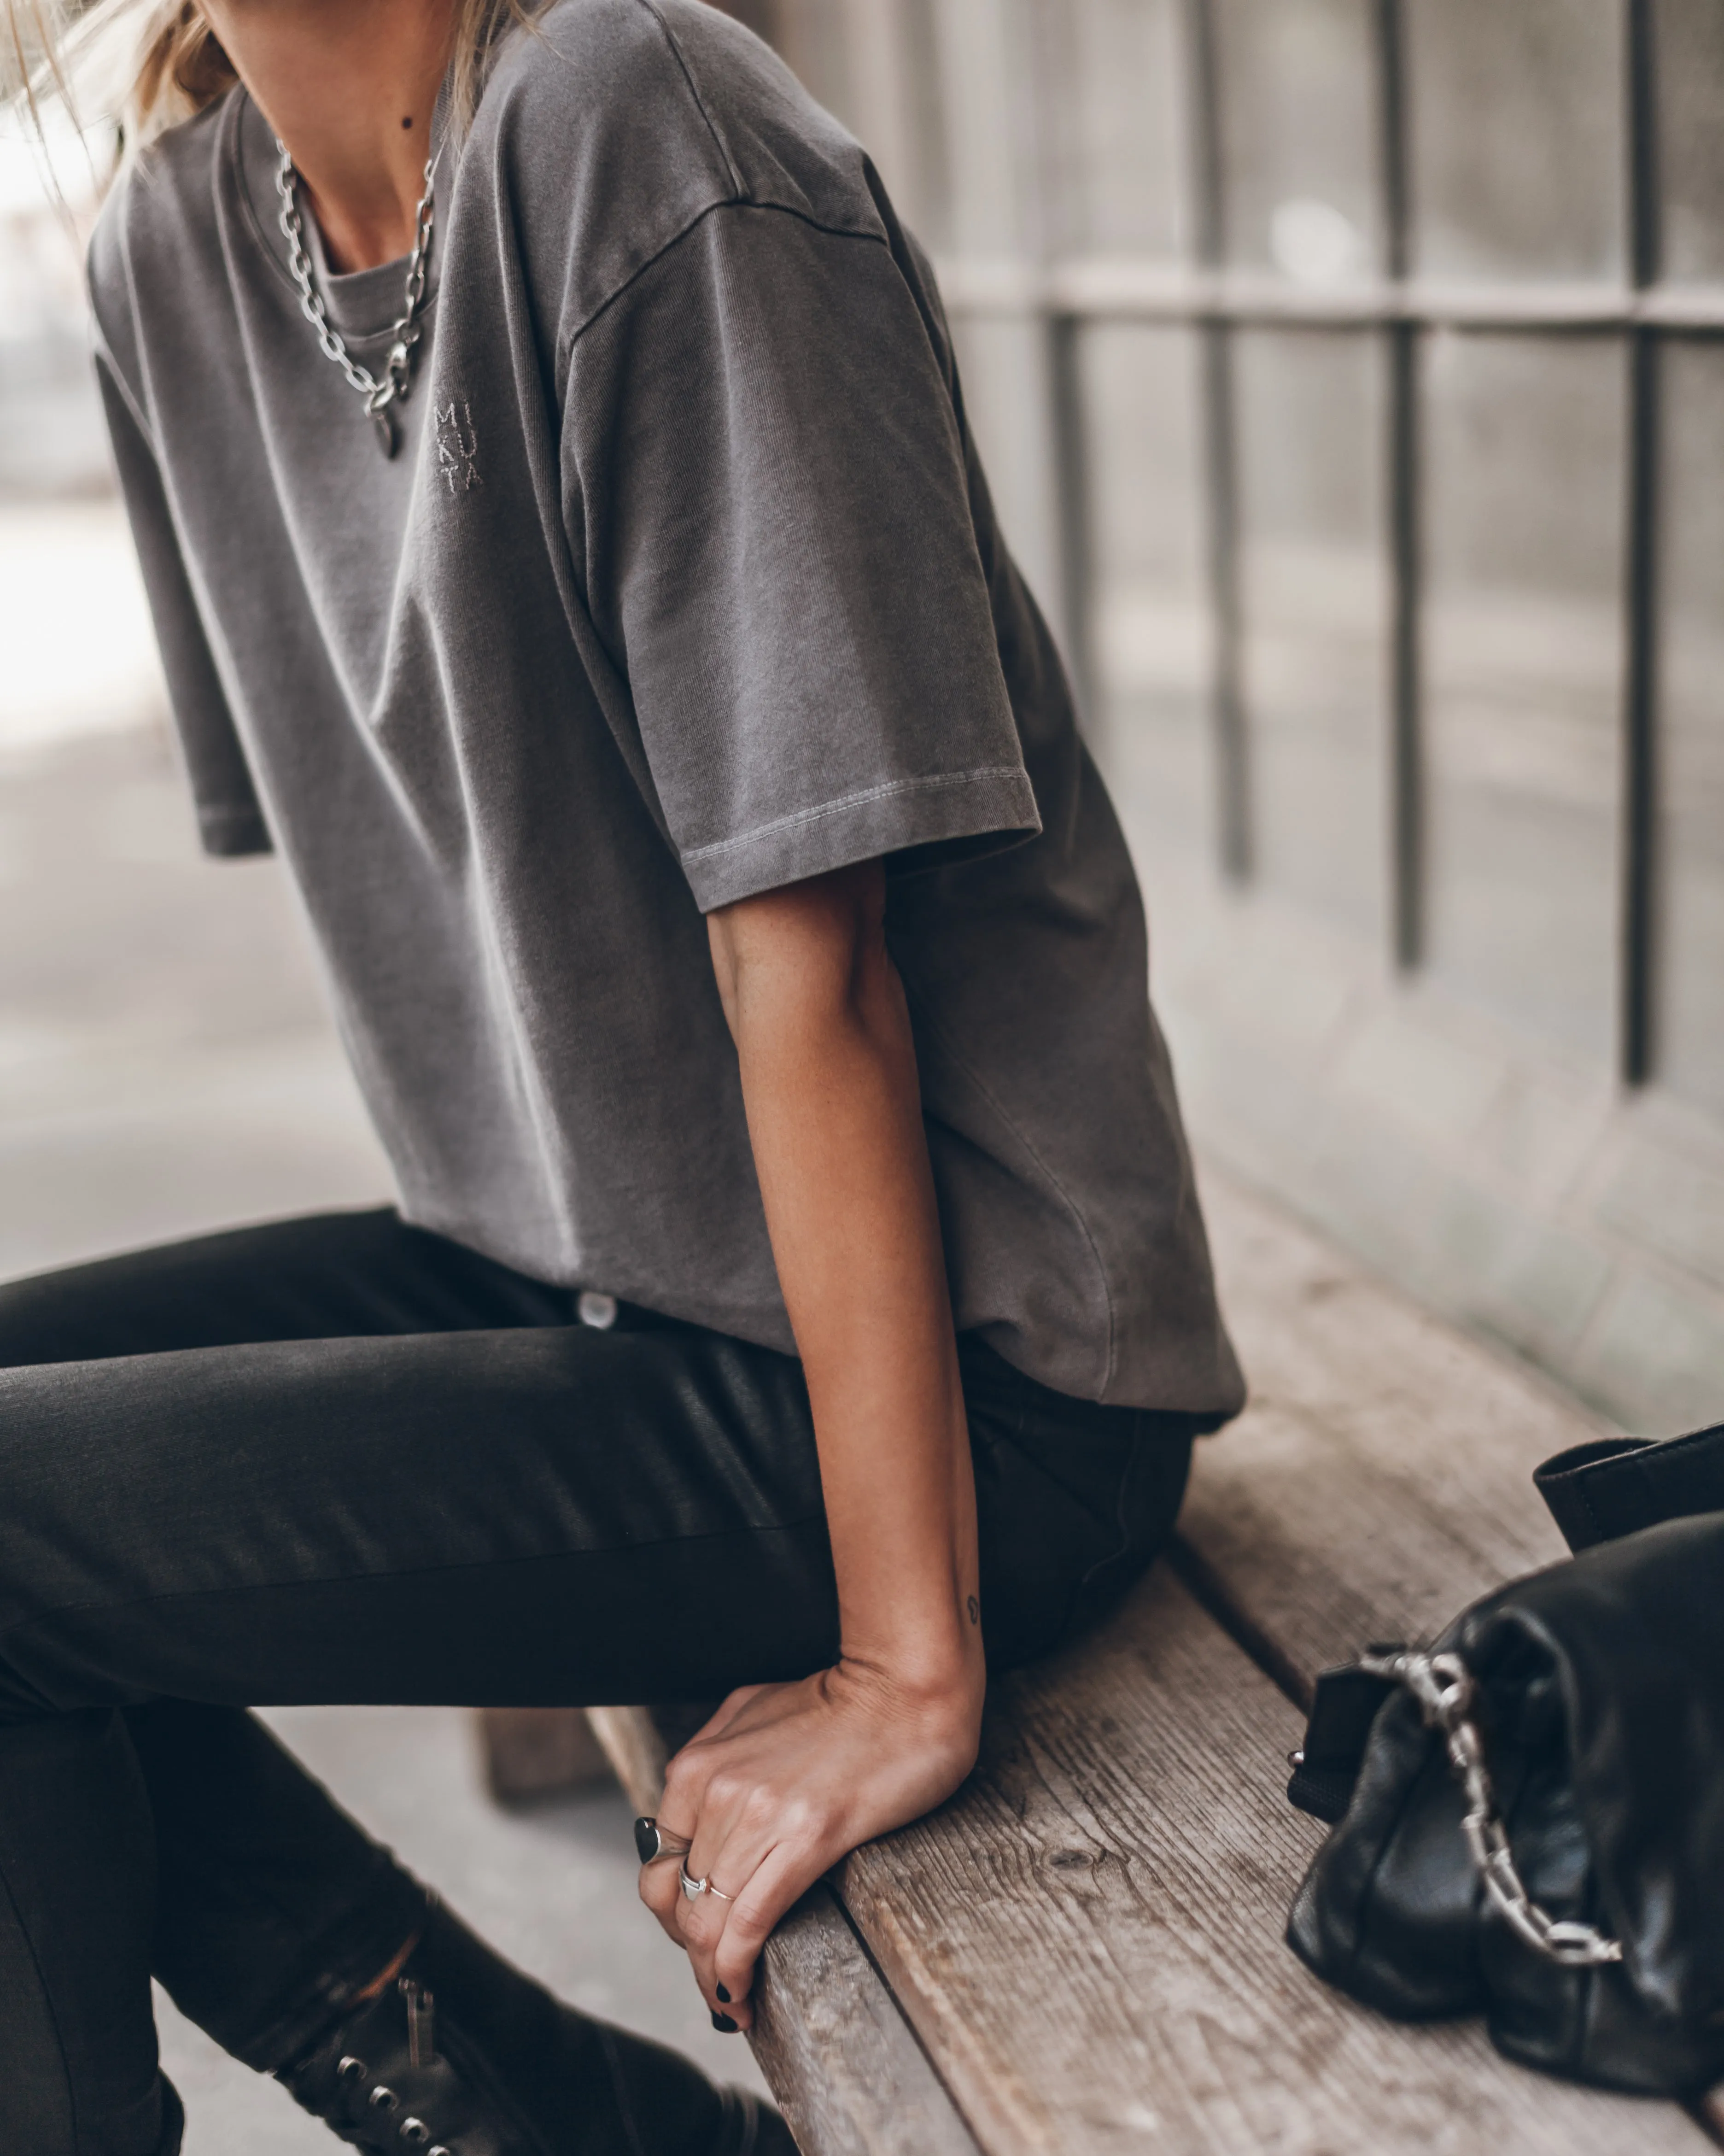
{"x": 379, "y": 394}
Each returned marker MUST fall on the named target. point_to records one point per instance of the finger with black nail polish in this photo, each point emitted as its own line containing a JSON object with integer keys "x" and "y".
{"x": 723, "y": 2023}
{"x": 721, "y": 1994}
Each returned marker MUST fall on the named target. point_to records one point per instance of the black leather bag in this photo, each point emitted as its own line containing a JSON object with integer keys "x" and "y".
{"x": 1580, "y": 1907}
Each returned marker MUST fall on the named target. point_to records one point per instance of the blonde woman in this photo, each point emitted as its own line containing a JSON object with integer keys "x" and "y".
{"x": 569, "y": 554}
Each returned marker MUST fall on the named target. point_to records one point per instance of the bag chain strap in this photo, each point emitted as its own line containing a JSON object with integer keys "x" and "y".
{"x": 1444, "y": 1689}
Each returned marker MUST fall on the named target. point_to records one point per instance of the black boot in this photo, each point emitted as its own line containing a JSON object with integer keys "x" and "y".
{"x": 465, "y": 2057}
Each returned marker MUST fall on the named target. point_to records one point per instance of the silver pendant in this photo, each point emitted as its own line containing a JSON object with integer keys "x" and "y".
{"x": 405, "y": 333}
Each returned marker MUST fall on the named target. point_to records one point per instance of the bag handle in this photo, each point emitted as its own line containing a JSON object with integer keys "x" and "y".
{"x": 1444, "y": 1689}
{"x": 1616, "y": 1486}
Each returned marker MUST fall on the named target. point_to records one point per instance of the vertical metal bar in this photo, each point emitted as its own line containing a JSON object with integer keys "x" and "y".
{"x": 1640, "y": 893}
{"x": 1221, "y": 455}
{"x": 1391, "y": 138}
{"x": 1639, "y": 890}
{"x": 1644, "y": 206}
{"x": 1071, "y": 473}
{"x": 1407, "y": 798}
{"x": 1047, "y": 94}
{"x": 1232, "y": 739}
{"x": 1406, "y": 683}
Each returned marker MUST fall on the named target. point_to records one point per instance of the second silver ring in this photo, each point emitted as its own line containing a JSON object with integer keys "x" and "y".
{"x": 694, "y": 1888}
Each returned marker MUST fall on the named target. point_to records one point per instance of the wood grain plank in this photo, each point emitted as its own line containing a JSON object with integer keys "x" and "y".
{"x": 1088, "y": 1938}
{"x": 530, "y": 1753}
{"x": 1381, "y": 1478}
{"x": 838, "y": 2054}
{"x": 631, "y": 1742}
{"x": 848, "y": 2074}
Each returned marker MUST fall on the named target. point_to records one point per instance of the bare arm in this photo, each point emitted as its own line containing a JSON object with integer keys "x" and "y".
{"x": 834, "y": 1112}
{"x": 787, "y": 1779}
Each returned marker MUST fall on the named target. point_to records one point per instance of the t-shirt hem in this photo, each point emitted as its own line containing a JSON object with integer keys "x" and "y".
{"x": 926, "y": 818}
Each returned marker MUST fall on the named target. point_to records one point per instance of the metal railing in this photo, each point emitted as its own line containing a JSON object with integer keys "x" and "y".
{"x": 1215, "y": 301}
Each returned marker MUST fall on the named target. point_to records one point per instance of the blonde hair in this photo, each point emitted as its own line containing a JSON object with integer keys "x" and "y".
{"x": 176, "y": 66}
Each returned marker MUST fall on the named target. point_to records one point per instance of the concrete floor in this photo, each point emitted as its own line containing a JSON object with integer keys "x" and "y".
{"x": 166, "y": 1065}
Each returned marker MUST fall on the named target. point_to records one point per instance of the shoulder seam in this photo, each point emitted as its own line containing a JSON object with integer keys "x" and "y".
{"x": 718, "y": 143}
{"x": 700, "y": 215}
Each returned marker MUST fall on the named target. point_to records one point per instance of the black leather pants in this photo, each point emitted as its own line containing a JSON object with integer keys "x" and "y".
{"x": 340, "y": 1459}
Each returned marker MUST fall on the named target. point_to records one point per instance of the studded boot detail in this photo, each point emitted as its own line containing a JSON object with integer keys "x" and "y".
{"x": 379, "y": 2083}
{"x": 463, "y": 2056}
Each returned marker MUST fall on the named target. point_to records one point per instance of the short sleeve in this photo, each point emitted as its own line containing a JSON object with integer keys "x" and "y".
{"x": 765, "y": 492}
{"x": 229, "y": 820}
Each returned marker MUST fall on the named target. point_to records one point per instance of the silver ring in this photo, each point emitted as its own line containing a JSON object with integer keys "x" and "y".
{"x": 694, "y": 1888}
{"x": 652, "y": 1842}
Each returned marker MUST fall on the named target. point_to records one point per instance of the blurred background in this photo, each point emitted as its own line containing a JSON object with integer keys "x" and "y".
{"x": 1350, "y": 376}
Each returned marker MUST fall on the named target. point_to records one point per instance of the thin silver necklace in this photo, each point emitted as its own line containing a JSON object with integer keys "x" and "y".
{"x": 379, "y": 393}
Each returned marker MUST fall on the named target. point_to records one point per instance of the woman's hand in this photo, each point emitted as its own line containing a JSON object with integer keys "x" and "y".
{"x": 783, "y": 1781}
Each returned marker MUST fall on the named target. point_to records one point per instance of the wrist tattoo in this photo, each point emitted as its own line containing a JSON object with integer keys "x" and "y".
{"x": 975, "y": 1608}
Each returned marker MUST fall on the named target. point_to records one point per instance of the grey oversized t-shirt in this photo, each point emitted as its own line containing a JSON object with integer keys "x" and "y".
{"x": 685, "y": 584}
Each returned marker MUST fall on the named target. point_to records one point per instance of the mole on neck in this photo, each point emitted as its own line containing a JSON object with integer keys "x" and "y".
{"x": 346, "y": 88}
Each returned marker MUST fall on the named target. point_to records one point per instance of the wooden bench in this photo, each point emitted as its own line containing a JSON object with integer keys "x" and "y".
{"x": 1082, "y": 1952}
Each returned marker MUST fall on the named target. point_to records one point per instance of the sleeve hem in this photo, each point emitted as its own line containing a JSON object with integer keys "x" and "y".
{"x": 946, "y": 812}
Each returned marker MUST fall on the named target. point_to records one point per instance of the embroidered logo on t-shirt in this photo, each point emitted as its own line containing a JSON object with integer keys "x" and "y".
{"x": 457, "y": 447}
